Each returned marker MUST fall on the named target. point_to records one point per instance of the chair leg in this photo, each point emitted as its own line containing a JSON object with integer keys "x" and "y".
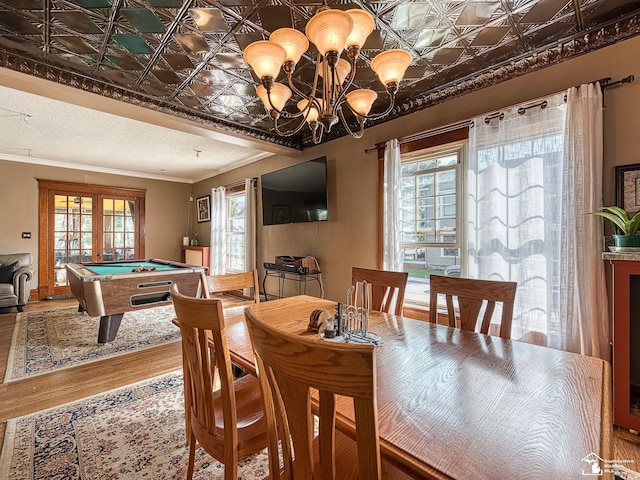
{"x": 231, "y": 467}
{"x": 192, "y": 455}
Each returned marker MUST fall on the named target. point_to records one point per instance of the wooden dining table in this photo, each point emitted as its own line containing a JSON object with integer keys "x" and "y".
{"x": 460, "y": 405}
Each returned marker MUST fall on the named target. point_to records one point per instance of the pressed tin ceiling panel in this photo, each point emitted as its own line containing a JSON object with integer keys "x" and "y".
{"x": 185, "y": 57}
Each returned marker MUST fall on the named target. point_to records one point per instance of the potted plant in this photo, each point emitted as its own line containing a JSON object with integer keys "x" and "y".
{"x": 626, "y": 228}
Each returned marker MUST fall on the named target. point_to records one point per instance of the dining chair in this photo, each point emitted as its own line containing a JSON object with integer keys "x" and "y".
{"x": 386, "y": 287}
{"x": 231, "y": 289}
{"x": 472, "y": 295}
{"x": 292, "y": 367}
{"x": 232, "y": 284}
{"x": 225, "y": 416}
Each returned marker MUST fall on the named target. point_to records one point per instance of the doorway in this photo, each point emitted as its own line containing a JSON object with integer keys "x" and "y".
{"x": 86, "y": 223}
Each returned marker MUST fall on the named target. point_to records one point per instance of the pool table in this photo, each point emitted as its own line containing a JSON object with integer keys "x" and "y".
{"x": 109, "y": 289}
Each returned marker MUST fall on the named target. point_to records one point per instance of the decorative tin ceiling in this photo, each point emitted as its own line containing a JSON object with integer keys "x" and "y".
{"x": 185, "y": 57}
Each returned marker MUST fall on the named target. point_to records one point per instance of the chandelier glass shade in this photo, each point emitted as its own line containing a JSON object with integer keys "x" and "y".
{"x": 332, "y": 31}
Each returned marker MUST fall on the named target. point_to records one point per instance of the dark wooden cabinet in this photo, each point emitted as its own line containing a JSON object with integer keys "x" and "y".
{"x": 626, "y": 339}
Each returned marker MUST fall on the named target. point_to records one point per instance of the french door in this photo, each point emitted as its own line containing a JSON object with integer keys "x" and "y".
{"x": 86, "y": 223}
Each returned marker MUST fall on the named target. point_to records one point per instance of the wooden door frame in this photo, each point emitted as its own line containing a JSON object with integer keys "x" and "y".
{"x": 47, "y": 188}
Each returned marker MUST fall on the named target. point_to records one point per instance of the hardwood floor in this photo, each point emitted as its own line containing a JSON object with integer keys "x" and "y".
{"x": 32, "y": 394}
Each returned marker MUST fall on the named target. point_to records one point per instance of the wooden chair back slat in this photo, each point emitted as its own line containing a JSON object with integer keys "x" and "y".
{"x": 472, "y": 294}
{"x": 289, "y": 368}
{"x": 386, "y": 287}
{"x": 231, "y": 282}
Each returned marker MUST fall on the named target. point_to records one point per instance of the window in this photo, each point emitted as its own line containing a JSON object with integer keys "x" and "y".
{"x": 530, "y": 181}
{"x": 235, "y": 232}
{"x": 233, "y": 229}
{"x": 430, "y": 216}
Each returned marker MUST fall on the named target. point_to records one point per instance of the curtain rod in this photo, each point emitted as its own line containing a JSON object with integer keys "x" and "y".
{"x": 604, "y": 83}
{"x": 239, "y": 182}
{"x": 627, "y": 79}
{"x": 426, "y": 134}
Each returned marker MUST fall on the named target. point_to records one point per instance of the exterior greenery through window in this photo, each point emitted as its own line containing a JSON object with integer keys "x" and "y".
{"x": 430, "y": 216}
{"x": 235, "y": 232}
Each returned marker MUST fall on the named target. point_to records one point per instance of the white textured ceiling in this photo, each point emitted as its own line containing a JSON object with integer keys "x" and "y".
{"x": 43, "y": 130}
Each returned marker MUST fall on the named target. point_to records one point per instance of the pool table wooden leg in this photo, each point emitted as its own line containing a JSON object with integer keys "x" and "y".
{"x": 109, "y": 325}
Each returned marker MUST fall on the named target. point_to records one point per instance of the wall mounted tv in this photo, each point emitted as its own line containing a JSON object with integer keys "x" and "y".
{"x": 296, "y": 194}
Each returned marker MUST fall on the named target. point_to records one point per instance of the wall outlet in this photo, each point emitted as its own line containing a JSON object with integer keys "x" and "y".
{"x": 26, "y": 234}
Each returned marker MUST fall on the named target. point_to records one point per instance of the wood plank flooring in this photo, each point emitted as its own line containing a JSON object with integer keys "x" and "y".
{"x": 32, "y": 394}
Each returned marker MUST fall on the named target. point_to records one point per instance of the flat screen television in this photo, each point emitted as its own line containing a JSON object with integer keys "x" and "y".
{"x": 296, "y": 194}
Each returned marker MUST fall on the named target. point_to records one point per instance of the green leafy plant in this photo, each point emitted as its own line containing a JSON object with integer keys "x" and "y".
{"x": 621, "y": 220}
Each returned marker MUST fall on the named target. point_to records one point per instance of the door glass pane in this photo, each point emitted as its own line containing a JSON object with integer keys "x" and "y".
{"x": 72, "y": 236}
{"x": 118, "y": 229}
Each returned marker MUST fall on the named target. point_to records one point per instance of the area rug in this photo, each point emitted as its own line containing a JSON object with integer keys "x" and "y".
{"x": 135, "y": 432}
{"x": 50, "y": 340}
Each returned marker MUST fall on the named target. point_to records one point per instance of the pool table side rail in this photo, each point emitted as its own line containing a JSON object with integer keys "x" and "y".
{"x": 101, "y": 295}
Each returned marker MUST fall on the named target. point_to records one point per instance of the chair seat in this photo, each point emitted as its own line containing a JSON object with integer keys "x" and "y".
{"x": 347, "y": 460}
{"x": 251, "y": 424}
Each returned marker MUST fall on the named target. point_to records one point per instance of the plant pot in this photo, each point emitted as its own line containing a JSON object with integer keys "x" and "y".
{"x": 626, "y": 240}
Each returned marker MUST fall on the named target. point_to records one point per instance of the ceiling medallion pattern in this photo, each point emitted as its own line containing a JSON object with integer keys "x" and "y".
{"x": 185, "y": 57}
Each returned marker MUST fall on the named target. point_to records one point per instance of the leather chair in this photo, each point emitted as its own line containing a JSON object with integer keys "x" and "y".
{"x": 14, "y": 278}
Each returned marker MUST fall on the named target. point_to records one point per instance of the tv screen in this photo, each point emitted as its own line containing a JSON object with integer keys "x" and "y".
{"x": 296, "y": 194}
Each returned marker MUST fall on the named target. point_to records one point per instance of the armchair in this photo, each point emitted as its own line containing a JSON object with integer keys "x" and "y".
{"x": 14, "y": 291}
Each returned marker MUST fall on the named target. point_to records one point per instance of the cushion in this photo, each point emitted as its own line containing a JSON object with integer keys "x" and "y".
{"x": 7, "y": 271}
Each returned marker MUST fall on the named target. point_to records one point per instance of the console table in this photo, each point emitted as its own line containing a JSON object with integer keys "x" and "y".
{"x": 301, "y": 278}
{"x": 626, "y": 332}
{"x": 195, "y": 255}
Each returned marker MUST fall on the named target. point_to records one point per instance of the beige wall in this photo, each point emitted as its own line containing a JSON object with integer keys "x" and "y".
{"x": 166, "y": 207}
{"x": 349, "y": 237}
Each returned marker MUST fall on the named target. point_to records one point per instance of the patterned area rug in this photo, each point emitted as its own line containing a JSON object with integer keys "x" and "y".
{"x": 50, "y": 340}
{"x": 136, "y": 432}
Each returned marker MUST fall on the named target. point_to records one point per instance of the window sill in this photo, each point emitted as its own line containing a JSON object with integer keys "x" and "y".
{"x": 421, "y": 312}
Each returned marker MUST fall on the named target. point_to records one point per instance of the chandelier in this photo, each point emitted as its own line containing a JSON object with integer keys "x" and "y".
{"x": 331, "y": 31}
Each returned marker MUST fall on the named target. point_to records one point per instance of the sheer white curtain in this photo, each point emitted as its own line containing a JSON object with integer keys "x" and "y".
{"x": 249, "y": 224}
{"x": 393, "y": 253}
{"x": 218, "y": 247}
{"x": 532, "y": 178}
{"x": 514, "y": 202}
{"x": 584, "y": 308}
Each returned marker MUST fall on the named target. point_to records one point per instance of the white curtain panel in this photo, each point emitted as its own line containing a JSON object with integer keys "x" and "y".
{"x": 514, "y": 201}
{"x": 218, "y": 247}
{"x": 583, "y": 294}
{"x": 249, "y": 224}
{"x": 393, "y": 253}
